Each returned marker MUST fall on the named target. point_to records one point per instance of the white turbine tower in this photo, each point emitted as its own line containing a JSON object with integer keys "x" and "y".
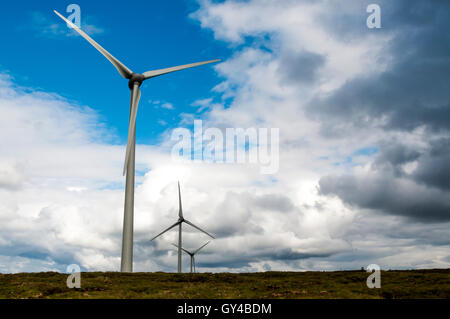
{"x": 135, "y": 81}
{"x": 179, "y": 223}
{"x": 192, "y": 254}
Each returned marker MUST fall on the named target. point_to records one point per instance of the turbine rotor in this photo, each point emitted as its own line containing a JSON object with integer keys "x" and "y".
{"x": 135, "y": 78}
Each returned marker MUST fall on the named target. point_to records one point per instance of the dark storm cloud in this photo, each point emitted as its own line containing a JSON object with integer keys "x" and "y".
{"x": 238, "y": 260}
{"x": 393, "y": 154}
{"x": 30, "y": 250}
{"x": 367, "y": 226}
{"x": 414, "y": 91}
{"x": 384, "y": 192}
{"x": 434, "y": 167}
{"x": 421, "y": 194}
{"x": 432, "y": 163}
{"x": 300, "y": 68}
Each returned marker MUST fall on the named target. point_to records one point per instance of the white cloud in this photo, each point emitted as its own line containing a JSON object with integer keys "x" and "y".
{"x": 160, "y": 104}
{"x": 45, "y": 26}
{"x": 11, "y": 176}
{"x": 168, "y": 106}
{"x": 69, "y": 209}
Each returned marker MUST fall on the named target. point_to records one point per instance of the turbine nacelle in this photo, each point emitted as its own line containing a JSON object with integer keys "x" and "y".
{"x": 135, "y": 78}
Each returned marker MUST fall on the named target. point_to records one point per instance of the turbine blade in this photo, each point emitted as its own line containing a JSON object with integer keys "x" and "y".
{"x": 189, "y": 223}
{"x": 185, "y": 250}
{"x": 135, "y": 97}
{"x": 180, "y": 210}
{"x": 201, "y": 247}
{"x": 123, "y": 70}
{"x": 169, "y": 228}
{"x": 152, "y": 74}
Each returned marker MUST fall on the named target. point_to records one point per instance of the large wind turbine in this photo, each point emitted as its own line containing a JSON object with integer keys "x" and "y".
{"x": 135, "y": 81}
{"x": 192, "y": 254}
{"x": 179, "y": 223}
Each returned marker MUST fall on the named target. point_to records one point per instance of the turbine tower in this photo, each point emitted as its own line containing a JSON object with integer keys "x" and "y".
{"x": 179, "y": 223}
{"x": 134, "y": 82}
{"x": 192, "y": 254}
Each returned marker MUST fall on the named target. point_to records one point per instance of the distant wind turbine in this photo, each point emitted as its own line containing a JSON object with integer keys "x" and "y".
{"x": 135, "y": 81}
{"x": 192, "y": 254}
{"x": 179, "y": 223}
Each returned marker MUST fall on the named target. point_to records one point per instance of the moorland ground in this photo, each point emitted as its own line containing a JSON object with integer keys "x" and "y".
{"x": 433, "y": 283}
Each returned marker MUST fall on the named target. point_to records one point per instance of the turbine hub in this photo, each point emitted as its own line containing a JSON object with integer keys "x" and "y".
{"x": 136, "y": 78}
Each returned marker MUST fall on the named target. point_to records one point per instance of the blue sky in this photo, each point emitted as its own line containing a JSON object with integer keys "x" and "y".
{"x": 144, "y": 35}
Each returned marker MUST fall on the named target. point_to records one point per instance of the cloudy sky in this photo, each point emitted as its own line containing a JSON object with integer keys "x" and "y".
{"x": 363, "y": 116}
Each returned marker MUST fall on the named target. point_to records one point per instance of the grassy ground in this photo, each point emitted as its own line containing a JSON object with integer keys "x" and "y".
{"x": 339, "y": 284}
